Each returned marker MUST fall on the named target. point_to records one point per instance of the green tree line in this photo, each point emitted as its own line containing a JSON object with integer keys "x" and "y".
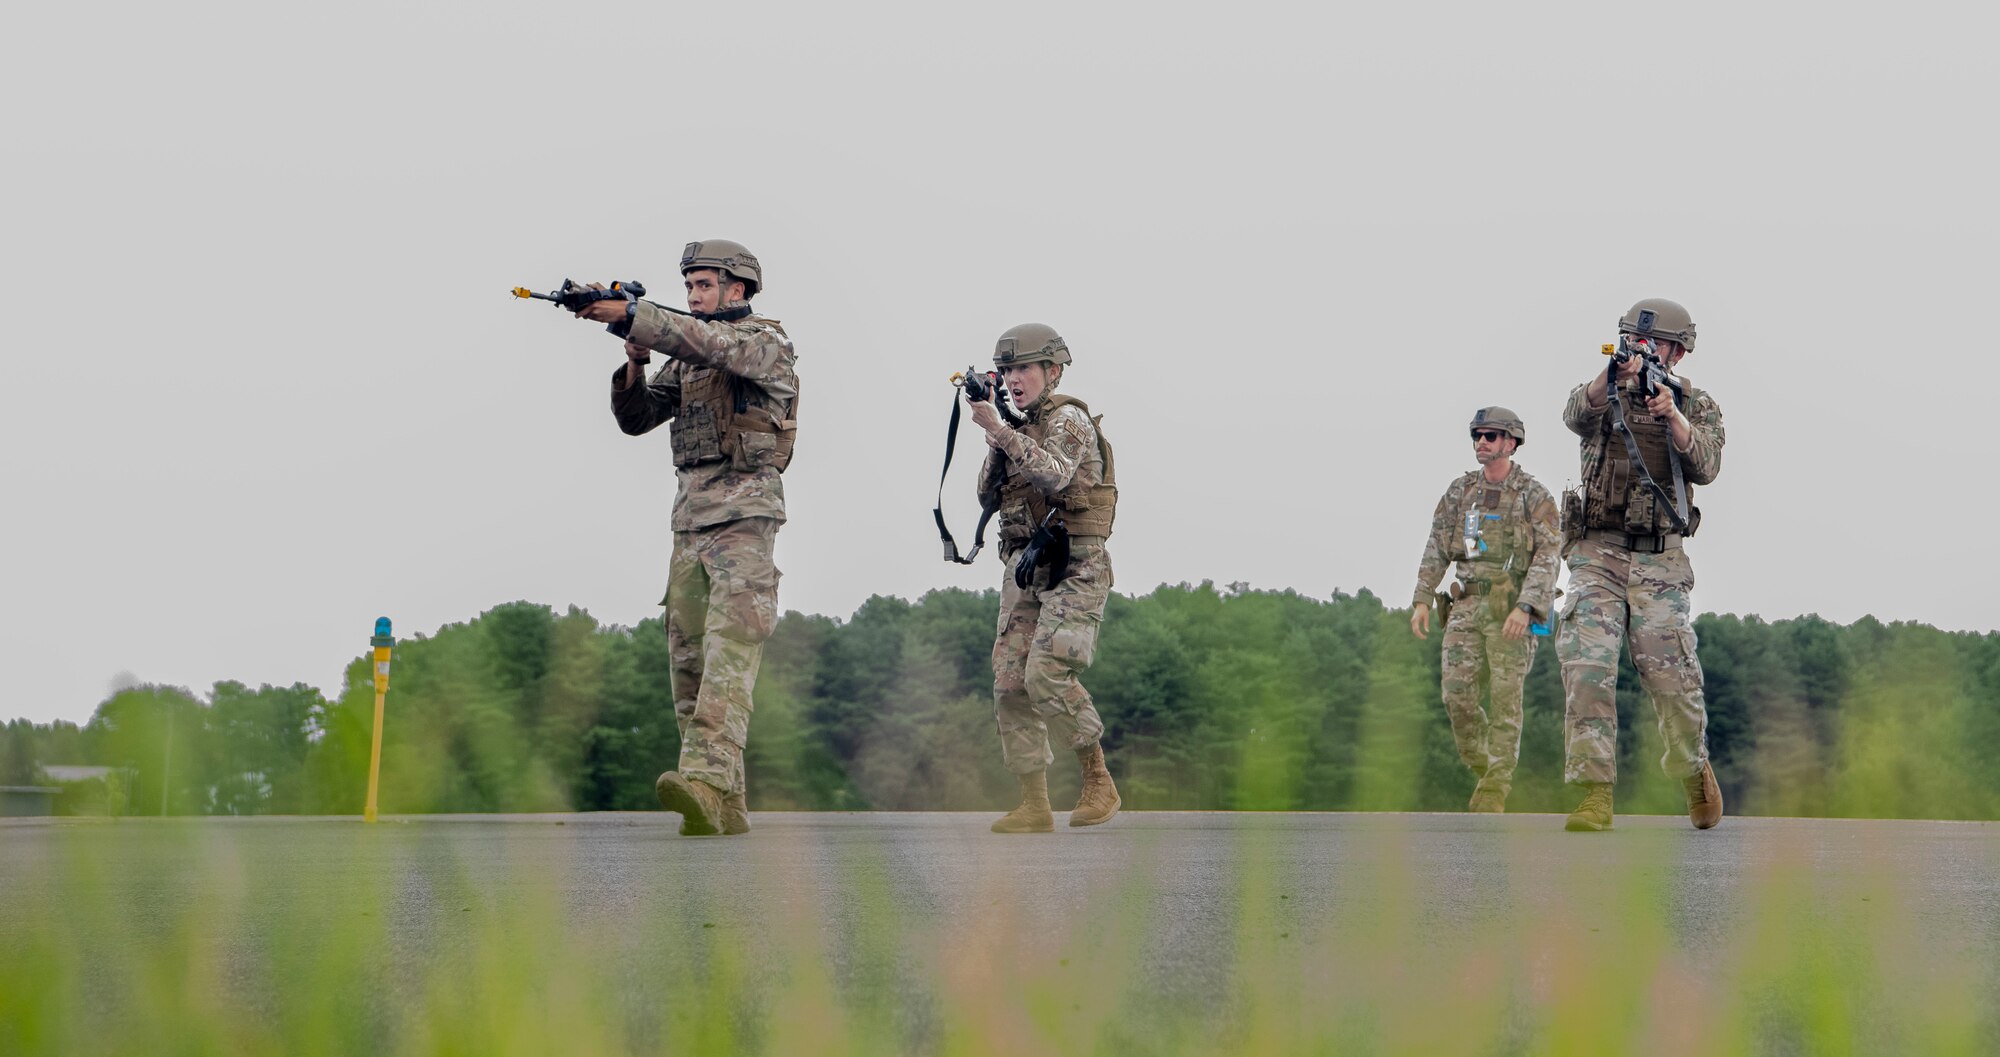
{"x": 1214, "y": 698}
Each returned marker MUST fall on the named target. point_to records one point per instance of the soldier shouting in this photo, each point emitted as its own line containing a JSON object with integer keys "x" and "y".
{"x": 1055, "y": 490}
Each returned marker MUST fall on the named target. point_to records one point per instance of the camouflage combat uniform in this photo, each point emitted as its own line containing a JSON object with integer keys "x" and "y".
{"x": 729, "y": 390}
{"x": 1630, "y": 576}
{"x": 1518, "y": 526}
{"x": 1047, "y": 632}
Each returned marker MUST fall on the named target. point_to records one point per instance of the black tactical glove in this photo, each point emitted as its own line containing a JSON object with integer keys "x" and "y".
{"x": 1049, "y": 545}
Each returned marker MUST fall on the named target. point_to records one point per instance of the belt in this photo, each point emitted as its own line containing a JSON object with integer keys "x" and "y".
{"x": 1641, "y": 544}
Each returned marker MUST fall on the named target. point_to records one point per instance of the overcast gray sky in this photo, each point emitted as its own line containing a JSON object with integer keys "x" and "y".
{"x": 264, "y": 381}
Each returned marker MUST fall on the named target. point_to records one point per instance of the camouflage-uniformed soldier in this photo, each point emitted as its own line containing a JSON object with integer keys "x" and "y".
{"x": 1499, "y": 524}
{"x": 729, "y": 391}
{"x": 1629, "y": 576}
{"x": 1052, "y": 477}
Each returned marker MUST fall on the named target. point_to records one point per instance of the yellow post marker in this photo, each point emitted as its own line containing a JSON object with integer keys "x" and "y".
{"x": 382, "y": 642}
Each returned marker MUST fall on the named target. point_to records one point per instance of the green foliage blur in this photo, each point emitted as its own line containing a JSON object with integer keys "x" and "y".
{"x": 1228, "y": 699}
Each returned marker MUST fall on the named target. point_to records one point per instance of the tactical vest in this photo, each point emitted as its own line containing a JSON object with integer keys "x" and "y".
{"x": 722, "y": 416}
{"x": 1503, "y": 526}
{"x": 1615, "y": 497}
{"x": 1087, "y": 509}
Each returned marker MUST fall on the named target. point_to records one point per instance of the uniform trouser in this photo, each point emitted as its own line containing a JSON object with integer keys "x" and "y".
{"x": 1616, "y": 593}
{"x": 722, "y": 602}
{"x": 1046, "y": 638}
{"x": 1477, "y": 656}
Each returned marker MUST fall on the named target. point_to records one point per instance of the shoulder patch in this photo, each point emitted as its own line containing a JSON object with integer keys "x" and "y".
{"x": 1074, "y": 417}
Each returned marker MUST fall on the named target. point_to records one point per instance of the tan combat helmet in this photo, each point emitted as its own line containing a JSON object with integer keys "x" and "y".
{"x": 1030, "y": 343}
{"x": 1657, "y": 317}
{"x": 731, "y": 258}
{"x": 1503, "y": 420}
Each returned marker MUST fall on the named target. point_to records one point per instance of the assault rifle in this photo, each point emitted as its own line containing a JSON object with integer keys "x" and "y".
{"x": 1651, "y": 379}
{"x": 984, "y": 387}
{"x": 1652, "y": 376}
{"x": 980, "y": 387}
{"x": 575, "y": 297}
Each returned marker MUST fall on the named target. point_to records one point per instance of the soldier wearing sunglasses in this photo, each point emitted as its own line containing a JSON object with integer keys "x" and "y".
{"x": 1500, "y": 526}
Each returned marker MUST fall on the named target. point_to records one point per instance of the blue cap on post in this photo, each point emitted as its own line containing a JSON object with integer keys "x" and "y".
{"x": 382, "y": 636}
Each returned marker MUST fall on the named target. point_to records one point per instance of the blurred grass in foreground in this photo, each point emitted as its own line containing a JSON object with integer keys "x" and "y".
{"x": 1214, "y": 699}
{"x": 468, "y": 938}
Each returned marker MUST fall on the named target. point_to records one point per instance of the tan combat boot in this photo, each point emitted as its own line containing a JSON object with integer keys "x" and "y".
{"x": 699, "y": 805}
{"x": 1594, "y": 813}
{"x": 1704, "y": 797}
{"x": 1033, "y": 816}
{"x": 735, "y": 816}
{"x": 1487, "y": 801}
{"x": 1098, "y": 801}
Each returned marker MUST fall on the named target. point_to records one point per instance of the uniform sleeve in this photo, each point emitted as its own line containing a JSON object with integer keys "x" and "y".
{"x": 1050, "y": 465}
{"x": 1702, "y": 461}
{"x": 642, "y": 407}
{"x": 989, "y": 479}
{"x": 754, "y": 353}
{"x": 1582, "y": 419}
{"x": 1545, "y": 529}
{"x": 1437, "y": 548}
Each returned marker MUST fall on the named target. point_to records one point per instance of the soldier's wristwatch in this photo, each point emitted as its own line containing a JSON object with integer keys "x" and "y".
{"x": 1526, "y": 608}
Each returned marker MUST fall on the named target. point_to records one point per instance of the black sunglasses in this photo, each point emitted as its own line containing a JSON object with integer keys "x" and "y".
{"x": 1487, "y": 434}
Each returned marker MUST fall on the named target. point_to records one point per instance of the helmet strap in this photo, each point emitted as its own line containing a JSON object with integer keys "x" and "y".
{"x": 734, "y": 311}
{"x": 730, "y": 310}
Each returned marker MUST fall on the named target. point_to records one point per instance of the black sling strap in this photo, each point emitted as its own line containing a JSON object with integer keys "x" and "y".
{"x": 1677, "y": 504}
{"x": 985, "y": 510}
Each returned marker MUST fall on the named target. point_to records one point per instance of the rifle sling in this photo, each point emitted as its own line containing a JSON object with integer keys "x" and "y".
{"x": 986, "y": 508}
{"x": 1677, "y": 505}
